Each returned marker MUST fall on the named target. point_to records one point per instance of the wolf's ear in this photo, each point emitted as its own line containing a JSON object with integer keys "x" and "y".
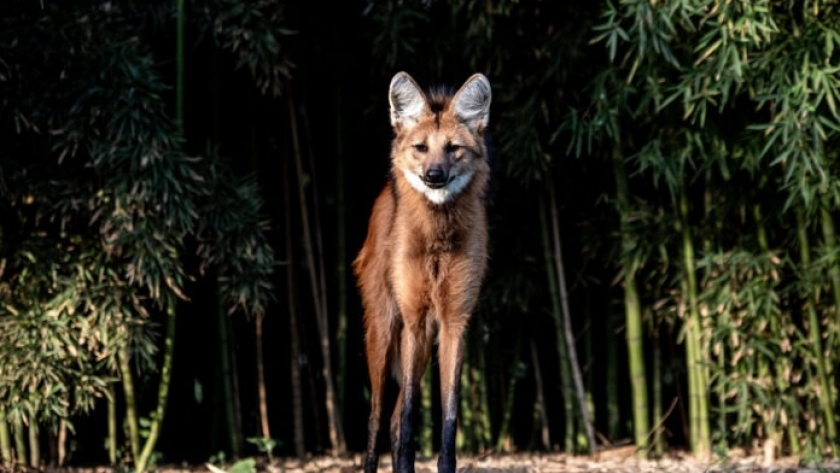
{"x": 471, "y": 104}
{"x": 408, "y": 102}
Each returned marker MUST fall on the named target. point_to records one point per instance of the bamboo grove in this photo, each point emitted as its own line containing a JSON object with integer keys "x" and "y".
{"x": 184, "y": 185}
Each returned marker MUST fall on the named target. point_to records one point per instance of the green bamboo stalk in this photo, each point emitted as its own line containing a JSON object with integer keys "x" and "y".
{"x": 228, "y": 402}
{"x": 784, "y": 362}
{"x": 426, "y": 436}
{"x": 569, "y": 413}
{"x": 826, "y": 397}
{"x": 540, "y": 411}
{"x": 658, "y": 412}
{"x": 294, "y": 337}
{"x": 112, "y": 425}
{"x": 574, "y": 365}
{"x": 163, "y": 390}
{"x": 507, "y": 409}
{"x": 20, "y": 441}
{"x": 484, "y": 414}
{"x": 632, "y": 313}
{"x": 694, "y": 335}
{"x": 830, "y": 241}
{"x": 124, "y": 360}
{"x": 720, "y": 392}
{"x": 34, "y": 444}
{"x": 691, "y": 374}
{"x": 5, "y": 440}
{"x": 466, "y": 434}
{"x": 336, "y": 430}
{"x": 613, "y": 408}
{"x": 262, "y": 396}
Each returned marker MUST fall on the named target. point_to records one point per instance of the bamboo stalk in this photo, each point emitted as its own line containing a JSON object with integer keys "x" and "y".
{"x": 486, "y": 427}
{"x": 613, "y": 408}
{"x": 784, "y": 362}
{"x": 567, "y": 389}
{"x": 826, "y": 397}
{"x": 335, "y": 429}
{"x": 632, "y": 313}
{"x": 124, "y": 361}
{"x": 62, "y": 442}
{"x": 503, "y": 440}
{"x": 20, "y": 441}
{"x": 112, "y": 425}
{"x": 465, "y": 437}
{"x": 540, "y": 407}
{"x": 697, "y": 366}
{"x": 225, "y": 367}
{"x": 157, "y": 416}
{"x": 567, "y": 326}
{"x": 261, "y": 390}
{"x": 5, "y": 440}
{"x": 341, "y": 248}
{"x": 294, "y": 344}
{"x": 34, "y": 444}
{"x": 658, "y": 418}
{"x": 426, "y": 436}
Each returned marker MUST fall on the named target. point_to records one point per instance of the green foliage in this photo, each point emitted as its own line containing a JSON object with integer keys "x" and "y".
{"x": 100, "y": 203}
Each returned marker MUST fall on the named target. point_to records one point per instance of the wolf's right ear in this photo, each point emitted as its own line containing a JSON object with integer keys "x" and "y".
{"x": 408, "y": 102}
{"x": 471, "y": 103}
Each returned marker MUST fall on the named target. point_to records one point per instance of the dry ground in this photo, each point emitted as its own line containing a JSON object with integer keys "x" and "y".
{"x": 619, "y": 460}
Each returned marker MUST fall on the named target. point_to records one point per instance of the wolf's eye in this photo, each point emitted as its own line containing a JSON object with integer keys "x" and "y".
{"x": 421, "y": 147}
{"x": 451, "y": 148}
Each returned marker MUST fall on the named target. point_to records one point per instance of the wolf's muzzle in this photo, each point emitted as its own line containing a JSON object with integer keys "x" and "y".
{"x": 435, "y": 178}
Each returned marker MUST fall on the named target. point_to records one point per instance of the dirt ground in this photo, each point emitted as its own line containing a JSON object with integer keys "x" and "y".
{"x": 620, "y": 460}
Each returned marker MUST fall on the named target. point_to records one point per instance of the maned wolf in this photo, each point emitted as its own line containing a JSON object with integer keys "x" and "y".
{"x": 421, "y": 266}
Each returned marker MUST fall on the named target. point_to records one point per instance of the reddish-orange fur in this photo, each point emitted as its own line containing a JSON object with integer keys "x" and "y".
{"x": 421, "y": 266}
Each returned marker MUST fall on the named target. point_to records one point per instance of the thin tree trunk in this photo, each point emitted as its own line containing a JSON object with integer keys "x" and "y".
{"x": 163, "y": 389}
{"x": 294, "y": 343}
{"x": 261, "y": 390}
{"x": 567, "y": 387}
{"x": 124, "y": 361}
{"x": 225, "y": 366}
{"x": 112, "y": 425}
{"x": 540, "y": 407}
{"x": 632, "y": 313}
{"x": 34, "y": 444}
{"x": 826, "y": 397}
{"x": 335, "y": 429}
{"x": 5, "y": 440}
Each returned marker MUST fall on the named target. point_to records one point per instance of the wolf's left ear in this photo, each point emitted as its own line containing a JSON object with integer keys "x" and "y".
{"x": 471, "y": 104}
{"x": 408, "y": 102}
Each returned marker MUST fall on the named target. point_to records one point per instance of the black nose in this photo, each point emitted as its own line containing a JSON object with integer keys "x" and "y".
{"x": 435, "y": 176}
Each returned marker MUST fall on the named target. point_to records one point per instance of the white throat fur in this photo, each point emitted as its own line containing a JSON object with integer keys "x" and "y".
{"x": 445, "y": 193}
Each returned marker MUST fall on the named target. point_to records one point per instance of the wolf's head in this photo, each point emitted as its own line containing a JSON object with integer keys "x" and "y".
{"x": 438, "y": 144}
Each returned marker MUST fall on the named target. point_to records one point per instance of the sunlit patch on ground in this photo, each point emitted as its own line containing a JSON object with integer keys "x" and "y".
{"x": 619, "y": 460}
